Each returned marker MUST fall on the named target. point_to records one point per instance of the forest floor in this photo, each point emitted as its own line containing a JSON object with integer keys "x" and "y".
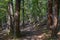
{"x": 30, "y": 32}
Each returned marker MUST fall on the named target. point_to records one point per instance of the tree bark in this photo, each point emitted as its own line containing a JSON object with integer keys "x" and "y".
{"x": 50, "y": 14}
{"x": 17, "y": 17}
{"x": 53, "y": 17}
{"x": 55, "y": 21}
{"x": 23, "y": 13}
{"x": 10, "y": 17}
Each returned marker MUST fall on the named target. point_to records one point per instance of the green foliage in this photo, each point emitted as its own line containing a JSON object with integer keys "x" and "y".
{"x": 3, "y": 9}
{"x": 33, "y": 9}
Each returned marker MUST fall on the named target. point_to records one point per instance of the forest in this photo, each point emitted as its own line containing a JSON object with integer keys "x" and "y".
{"x": 29, "y": 19}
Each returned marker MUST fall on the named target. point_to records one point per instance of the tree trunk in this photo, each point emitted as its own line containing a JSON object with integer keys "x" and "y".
{"x": 55, "y": 18}
{"x": 50, "y": 14}
{"x": 17, "y": 17}
{"x": 23, "y": 13}
{"x": 11, "y": 17}
{"x": 0, "y": 25}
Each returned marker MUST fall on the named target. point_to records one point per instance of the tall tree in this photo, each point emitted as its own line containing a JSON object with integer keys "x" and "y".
{"x": 17, "y": 17}
{"x": 55, "y": 18}
{"x": 50, "y": 15}
{"x": 23, "y": 13}
{"x": 50, "y": 20}
{"x": 11, "y": 16}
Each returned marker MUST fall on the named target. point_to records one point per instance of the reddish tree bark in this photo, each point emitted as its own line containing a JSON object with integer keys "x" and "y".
{"x": 50, "y": 14}
{"x": 55, "y": 21}
{"x": 53, "y": 17}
